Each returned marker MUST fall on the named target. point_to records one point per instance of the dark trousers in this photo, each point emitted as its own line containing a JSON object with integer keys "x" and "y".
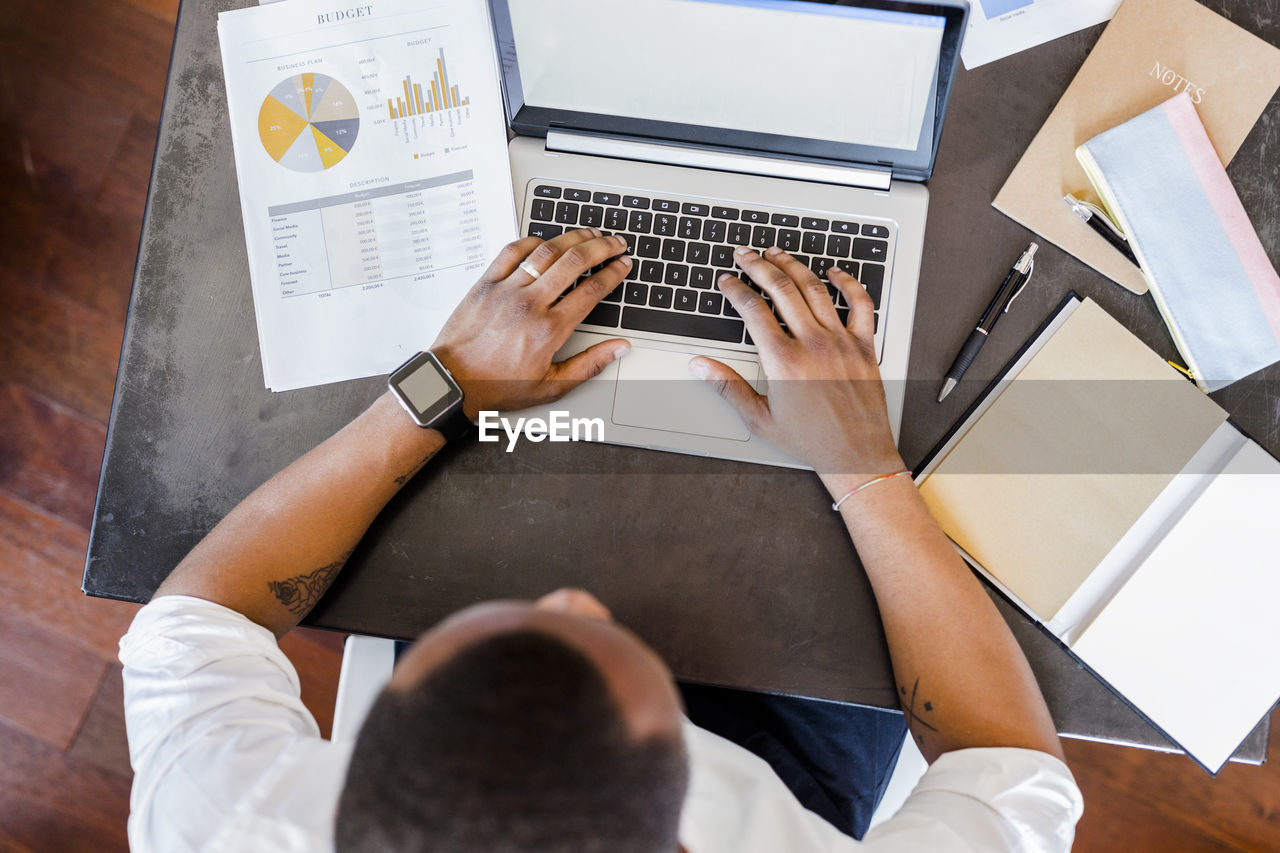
{"x": 836, "y": 759}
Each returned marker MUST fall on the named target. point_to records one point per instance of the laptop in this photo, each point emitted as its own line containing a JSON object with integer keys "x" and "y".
{"x": 690, "y": 127}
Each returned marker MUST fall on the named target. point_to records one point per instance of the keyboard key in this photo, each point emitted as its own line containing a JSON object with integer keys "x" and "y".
{"x": 814, "y": 243}
{"x": 637, "y": 293}
{"x": 660, "y": 297}
{"x": 722, "y": 256}
{"x": 567, "y": 213}
{"x": 697, "y": 253}
{"x": 577, "y": 195}
{"x": 592, "y": 216}
{"x": 739, "y": 234}
{"x": 545, "y": 191}
{"x": 786, "y": 220}
{"x": 788, "y": 240}
{"x": 635, "y": 202}
{"x": 651, "y": 271}
{"x": 673, "y": 250}
{"x": 820, "y": 266}
{"x": 762, "y": 236}
{"x": 724, "y": 212}
{"x": 702, "y": 277}
{"x": 710, "y": 303}
{"x": 606, "y": 198}
{"x": 640, "y": 222}
{"x": 686, "y": 299}
{"x": 695, "y": 209}
{"x": 851, "y": 267}
{"x": 685, "y": 325}
{"x": 755, "y": 217}
{"x": 544, "y": 230}
{"x": 803, "y": 259}
{"x": 872, "y": 279}
{"x": 714, "y": 231}
{"x": 664, "y": 225}
{"x": 881, "y": 231}
{"x": 844, "y": 227}
{"x": 812, "y": 224}
{"x": 838, "y": 245}
{"x": 604, "y": 314}
{"x": 870, "y": 250}
{"x": 690, "y": 228}
{"x": 634, "y": 272}
{"x": 631, "y": 242}
{"x": 615, "y": 218}
{"x": 648, "y": 247}
{"x": 543, "y": 210}
{"x": 677, "y": 275}
{"x": 615, "y": 295}
{"x": 666, "y": 206}
{"x": 729, "y": 310}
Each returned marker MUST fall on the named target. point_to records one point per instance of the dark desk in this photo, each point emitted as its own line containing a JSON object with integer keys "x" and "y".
{"x": 737, "y": 574}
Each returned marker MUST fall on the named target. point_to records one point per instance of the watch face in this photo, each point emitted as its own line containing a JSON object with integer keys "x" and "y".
{"x": 425, "y": 388}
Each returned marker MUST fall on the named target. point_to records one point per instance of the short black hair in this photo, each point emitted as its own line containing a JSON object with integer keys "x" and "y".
{"x": 516, "y": 743}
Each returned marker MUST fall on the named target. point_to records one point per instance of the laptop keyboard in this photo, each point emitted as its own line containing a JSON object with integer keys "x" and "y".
{"x": 680, "y": 246}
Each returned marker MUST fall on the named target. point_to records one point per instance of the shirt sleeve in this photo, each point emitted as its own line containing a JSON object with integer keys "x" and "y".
{"x": 221, "y": 744}
{"x": 986, "y": 799}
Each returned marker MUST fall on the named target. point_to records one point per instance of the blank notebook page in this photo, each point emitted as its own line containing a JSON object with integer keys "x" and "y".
{"x": 1042, "y": 487}
{"x": 1192, "y": 638}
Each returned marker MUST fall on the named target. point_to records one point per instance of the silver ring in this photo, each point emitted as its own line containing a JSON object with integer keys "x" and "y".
{"x": 530, "y": 269}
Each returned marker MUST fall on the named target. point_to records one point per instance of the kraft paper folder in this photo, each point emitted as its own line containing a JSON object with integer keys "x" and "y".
{"x": 1151, "y": 51}
{"x": 1113, "y": 502}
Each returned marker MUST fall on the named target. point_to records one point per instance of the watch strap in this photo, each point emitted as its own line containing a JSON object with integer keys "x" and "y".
{"x": 453, "y": 424}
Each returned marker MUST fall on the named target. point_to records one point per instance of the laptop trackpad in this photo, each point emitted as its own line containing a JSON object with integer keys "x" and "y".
{"x": 655, "y": 390}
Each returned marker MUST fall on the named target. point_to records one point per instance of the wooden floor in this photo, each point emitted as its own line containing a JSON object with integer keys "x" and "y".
{"x": 81, "y": 83}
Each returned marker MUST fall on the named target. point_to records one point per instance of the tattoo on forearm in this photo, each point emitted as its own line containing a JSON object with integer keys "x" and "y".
{"x": 407, "y": 475}
{"x": 909, "y": 706}
{"x": 301, "y": 592}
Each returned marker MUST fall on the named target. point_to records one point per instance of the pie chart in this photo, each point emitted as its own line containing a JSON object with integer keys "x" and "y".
{"x": 309, "y": 122}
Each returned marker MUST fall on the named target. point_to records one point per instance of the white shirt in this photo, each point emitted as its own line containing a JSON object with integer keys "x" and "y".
{"x": 227, "y": 758}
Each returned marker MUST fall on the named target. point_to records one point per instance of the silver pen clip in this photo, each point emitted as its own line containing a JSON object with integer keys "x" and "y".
{"x": 1026, "y": 265}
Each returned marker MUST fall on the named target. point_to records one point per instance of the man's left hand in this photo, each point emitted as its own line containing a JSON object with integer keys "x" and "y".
{"x": 500, "y": 341}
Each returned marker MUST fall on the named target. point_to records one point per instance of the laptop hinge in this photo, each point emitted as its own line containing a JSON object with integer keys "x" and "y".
{"x": 724, "y": 161}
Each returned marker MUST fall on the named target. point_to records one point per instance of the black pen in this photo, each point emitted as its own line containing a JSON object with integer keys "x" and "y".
{"x": 1009, "y": 290}
{"x": 1101, "y": 223}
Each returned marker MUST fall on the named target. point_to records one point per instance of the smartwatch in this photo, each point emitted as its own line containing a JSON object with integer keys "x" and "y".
{"x": 428, "y": 392}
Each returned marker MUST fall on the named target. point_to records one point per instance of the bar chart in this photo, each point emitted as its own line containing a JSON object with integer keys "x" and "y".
{"x": 440, "y": 95}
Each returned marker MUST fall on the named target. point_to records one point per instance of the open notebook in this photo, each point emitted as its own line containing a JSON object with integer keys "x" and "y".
{"x": 1112, "y": 501}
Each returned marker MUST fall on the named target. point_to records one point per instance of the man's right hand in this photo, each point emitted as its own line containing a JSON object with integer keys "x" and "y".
{"x": 826, "y": 403}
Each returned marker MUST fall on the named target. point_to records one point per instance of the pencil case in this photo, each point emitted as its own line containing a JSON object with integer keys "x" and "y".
{"x": 1162, "y": 183}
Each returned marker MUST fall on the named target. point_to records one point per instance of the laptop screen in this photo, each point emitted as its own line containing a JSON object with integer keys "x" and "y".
{"x": 850, "y": 81}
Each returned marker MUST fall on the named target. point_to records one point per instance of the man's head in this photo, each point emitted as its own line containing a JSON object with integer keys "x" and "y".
{"x": 520, "y": 726}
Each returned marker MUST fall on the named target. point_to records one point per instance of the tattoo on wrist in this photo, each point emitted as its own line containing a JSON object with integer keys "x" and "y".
{"x": 407, "y": 475}
{"x": 301, "y": 592}
{"x": 913, "y": 717}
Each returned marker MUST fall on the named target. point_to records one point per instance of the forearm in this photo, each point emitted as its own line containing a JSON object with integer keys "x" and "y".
{"x": 962, "y": 679}
{"x": 278, "y": 551}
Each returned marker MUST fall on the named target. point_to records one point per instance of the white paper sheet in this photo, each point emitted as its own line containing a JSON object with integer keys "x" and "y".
{"x": 1191, "y": 639}
{"x": 371, "y": 155}
{"x": 1000, "y": 28}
